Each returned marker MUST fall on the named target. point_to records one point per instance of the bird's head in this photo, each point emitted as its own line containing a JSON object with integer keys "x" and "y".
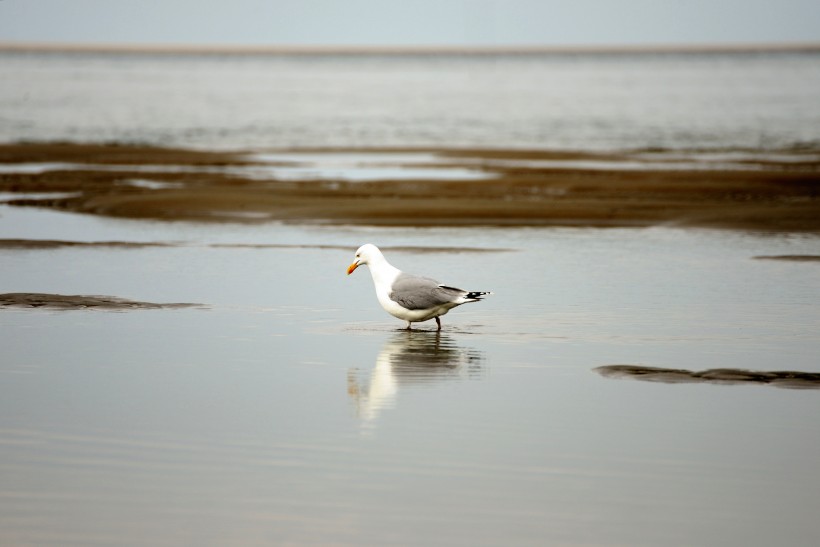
{"x": 364, "y": 255}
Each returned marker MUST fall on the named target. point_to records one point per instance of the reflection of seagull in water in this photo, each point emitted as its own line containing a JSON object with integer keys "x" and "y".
{"x": 406, "y": 296}
{"x": 410, "y": 358}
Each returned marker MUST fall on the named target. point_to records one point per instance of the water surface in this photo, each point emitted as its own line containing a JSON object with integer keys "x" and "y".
{"x": 293, "y": 409}
{"x": 569, "y": 101}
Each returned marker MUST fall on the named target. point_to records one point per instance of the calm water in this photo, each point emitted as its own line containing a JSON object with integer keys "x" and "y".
{"x": 293, "y": 410}
{"x": 547, "y": 101}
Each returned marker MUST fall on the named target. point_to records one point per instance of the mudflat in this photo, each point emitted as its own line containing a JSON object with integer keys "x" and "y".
{"x": 790, "y": 379}
{"x": 75, "y": 302}
{"x": 777, "y": 191}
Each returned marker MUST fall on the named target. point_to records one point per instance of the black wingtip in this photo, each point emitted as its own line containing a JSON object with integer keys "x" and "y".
{"x": 476, "y": 295}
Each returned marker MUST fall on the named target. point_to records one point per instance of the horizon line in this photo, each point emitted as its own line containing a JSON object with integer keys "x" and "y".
{"x": 413, "y": 49}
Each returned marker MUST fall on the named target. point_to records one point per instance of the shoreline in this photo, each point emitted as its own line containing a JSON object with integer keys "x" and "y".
{"x": 409, "y": 50}
{"x": 778, "y": 191}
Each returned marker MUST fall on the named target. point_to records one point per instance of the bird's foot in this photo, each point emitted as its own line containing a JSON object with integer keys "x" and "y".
{"x": 438, "y": 322}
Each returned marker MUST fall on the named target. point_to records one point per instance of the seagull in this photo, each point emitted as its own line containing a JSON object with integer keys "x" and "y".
{"x": 410, "y": 297}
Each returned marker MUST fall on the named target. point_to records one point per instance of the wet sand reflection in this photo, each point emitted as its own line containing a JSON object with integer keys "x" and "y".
{"x": 409, "y": 358}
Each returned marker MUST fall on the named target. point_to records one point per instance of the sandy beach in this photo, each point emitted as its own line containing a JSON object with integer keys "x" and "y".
{"x": 777, "y": 192}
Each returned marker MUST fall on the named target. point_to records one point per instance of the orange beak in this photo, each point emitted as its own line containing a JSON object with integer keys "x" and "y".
{"x": 352, "y": 267}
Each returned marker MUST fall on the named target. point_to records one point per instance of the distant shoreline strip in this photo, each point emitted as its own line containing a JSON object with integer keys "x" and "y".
{"x": 431, "y": 50}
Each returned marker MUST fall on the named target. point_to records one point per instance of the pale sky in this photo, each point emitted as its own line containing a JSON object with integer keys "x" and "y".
{"x": 411, "y": 22}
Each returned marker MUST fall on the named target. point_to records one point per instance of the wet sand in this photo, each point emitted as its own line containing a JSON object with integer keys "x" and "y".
{"x": 792, "y": 258}
{"x": 35, "y": 244}
{"x": 58, "y": 243}
{"x": 776, "y": 192}
{"x": 77, "y": 302}
{"x": 778, "y": 378}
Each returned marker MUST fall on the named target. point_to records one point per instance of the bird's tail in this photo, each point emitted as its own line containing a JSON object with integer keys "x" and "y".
{"x": 475, "y": 296}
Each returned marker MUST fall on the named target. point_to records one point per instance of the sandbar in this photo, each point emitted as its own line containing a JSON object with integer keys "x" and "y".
{"x": 779, "y": 378}
{"x": 80, "y": 302}
{"x": 778, "y": 191}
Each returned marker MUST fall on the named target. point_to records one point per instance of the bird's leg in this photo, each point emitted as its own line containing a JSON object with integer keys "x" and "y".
{"x": 438, "y": 322}
{"x": 408, "y": 326}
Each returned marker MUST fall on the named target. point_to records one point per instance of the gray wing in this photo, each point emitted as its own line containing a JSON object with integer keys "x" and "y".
{"x": 421, "y": 293}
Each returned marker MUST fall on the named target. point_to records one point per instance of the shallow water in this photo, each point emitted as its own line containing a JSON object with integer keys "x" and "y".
{"x": 335, "y": 166}
{"x": 293, "y": 409}
{"x": 360, "y": 167}
{"x": 570, "y": 101}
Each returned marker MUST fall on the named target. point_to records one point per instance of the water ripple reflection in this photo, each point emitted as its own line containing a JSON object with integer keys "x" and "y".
{"x": 410, "y": 358}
